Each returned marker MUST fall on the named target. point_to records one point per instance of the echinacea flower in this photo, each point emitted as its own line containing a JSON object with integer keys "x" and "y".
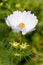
{"x": 22, "y": 21}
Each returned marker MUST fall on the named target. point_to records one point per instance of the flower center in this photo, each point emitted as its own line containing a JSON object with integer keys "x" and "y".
{"x": 21, "y": 25}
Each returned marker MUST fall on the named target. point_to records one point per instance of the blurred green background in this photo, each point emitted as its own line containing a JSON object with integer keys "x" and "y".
{"x": 34, "y": 39}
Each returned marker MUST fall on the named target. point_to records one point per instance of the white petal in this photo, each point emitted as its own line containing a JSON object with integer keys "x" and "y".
{"x": 7, "y": 22}
{"x": 30, "y": 21}
{"x": 23, "y": 33}
{"x": 17, "y": 16}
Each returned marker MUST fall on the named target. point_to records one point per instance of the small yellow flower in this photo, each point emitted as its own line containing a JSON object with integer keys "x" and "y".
{"x": 17, "y": 5}
{"x": 1, "y": 4}
{"x": 23, "y": 46}
{"x": 14, "y": 44}
{"x": 17, "y": 54}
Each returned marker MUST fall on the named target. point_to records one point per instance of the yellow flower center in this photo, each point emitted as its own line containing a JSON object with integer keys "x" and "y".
{"x": 23, "y": 46}
{"x": 21, "y": 25}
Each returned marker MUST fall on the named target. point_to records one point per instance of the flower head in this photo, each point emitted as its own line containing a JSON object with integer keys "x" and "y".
{"x": 17, "y": 5}
{"x": 1, "y": 4}
{"x": 14, "y": 44}
{"x": 17, "y": 54}
{"x": 24, "y": 46}
{"x": 22, "y": 21}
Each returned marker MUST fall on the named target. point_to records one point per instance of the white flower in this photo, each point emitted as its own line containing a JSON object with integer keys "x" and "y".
{"x": 22, "y": 21}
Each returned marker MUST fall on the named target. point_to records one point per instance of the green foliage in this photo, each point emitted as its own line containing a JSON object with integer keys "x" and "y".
{"x": 34, "y": 39}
